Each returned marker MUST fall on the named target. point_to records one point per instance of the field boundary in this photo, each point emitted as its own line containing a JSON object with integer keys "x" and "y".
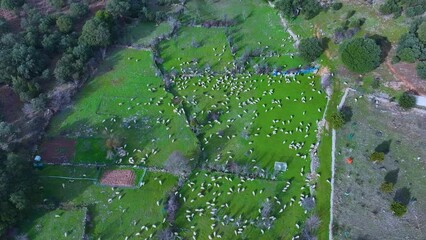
{"x": 333, "y": 161}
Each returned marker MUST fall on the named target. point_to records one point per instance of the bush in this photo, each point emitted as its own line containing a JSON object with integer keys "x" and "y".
{"x": 377, "y": 156}
{"x": 421, "y": 70}
{"x": 310, "y": 49}
{"x": 337, "y": 120}
{"x": 407, "y": 55}
{"x": 421, "y": 32}
{"x": 398, "y": 209}
{"x": 78, "y": 10}
{"x": 337, "y": 6}
{"x": 386, "y": 187}
{"x": 360, "y": 55}
{"x": 64, "y": 23}
{"x": 57, "y": 3}
{"x": 407, "y": 100}
{"x": 11, "y": 4}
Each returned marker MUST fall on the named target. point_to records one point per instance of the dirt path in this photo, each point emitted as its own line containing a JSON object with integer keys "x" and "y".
{"x": 286, "y": 28}
{"x": 400, "y": 77}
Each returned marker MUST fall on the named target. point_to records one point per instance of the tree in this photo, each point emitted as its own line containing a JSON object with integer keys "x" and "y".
{"x": 377, "y": 156}
{"x": 407, "y": 100}
{"x": 64, "y": 23}
{"x": 6, "y": 135}
{"x": 95, "y": 33}
{"x": 118, "y": 8}
{"x": 11, "y": 4}
{"x": 57, "y": 3}
{"x": 337, "y": 6}
{"x": 421, "y": 70}
{"x": 17, "y": 180}
{"x": 310, "y": 49}
{"x": 337, "y": 120}
{"x": 421, "y": 32}
{"x": 78, "y": 10}
{"x": 386, "y": 187}
{"x": 398, "y": 209}
{"x": 177, "y": 164}
{"x": 407, "y": 55}
{"x": 286, "y": 7}
{"x": 360, "y": 55}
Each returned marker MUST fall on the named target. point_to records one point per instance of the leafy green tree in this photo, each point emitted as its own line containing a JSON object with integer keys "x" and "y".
{"x": 360, "y": 55}
{"x": 310, "y": 8}
{"x": 95, "y": 33}
{"x": 386, "y": 187}
{"x": 118, "y": 8}
{"x": 11, "y": 4}
{"x": 407, "y": 55}
{"x": 310, "y": 49}
{"x": 286, "y": 7}
{"x": 398, "y": 209}
{"x": 407, "y": 100}
{"x": 58, "y": 4}
{"x": 78, "y": 10}
{"x": 64, "y": 23}
{"x": 389, "y": 7}
{"x": 104, "y": 16}
{"x": 50, "y": 42}
{"x": 17, "y": 181}
{"x": 337, "y": 6}
{"x": 421, "y": 70}
{"x": 377, "y": 156}
{"x": 421, "y": 32}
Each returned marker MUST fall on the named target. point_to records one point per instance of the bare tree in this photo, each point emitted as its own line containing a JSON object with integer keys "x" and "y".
{"x": 172, "y": 206}
{"x": 166, "y": 234}
{"x": 177, "y": 164}
{"x": 310, "y": 227}
{"x": 308, "y": 203}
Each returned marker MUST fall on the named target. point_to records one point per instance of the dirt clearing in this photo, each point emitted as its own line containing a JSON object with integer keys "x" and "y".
{"x": 120, "y": 178}
{"x": 57, "y": 150}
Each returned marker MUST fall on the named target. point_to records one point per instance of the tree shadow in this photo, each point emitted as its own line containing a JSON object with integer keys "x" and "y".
{"x": 385, "y": 46}
{"x": 392, "y": 176}
{"x": 384, "y": 147}
{"x": 403, "y": 196}
{"x": 347, "y": 113}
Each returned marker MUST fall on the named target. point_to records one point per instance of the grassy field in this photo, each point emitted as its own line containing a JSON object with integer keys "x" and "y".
{"x": 55, "y": 224}
{"x": 114, "y": 213}
{"x": 143, "y": 33}
{"x": 251, "y": 113}
{"x": 127, "y": 106}
{"x": 125, "y": 119}
{"x": 208, "y": 47}
{"x": 361, "y": 209}
{"x": 221, "y": 204}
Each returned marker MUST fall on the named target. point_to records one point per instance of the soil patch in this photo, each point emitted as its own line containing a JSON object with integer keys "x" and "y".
{"x": 10, "y": 105}
{"x": 122, "y": 178}
{"x": 406, "y": 73}
{"x": 58, "y": 150}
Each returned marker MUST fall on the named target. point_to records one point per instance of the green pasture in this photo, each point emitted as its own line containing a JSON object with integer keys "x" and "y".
{"x": 257, "y": 117}
{"x": 69, "y": 171}
{"x": 56, "y": 224}
{"x": 126, "y": 103}
{"x": 207, "y": 46}
{"x": 143, "y": 33}
{"x": 230, "y": 202}
{"x": 115, "y": 212}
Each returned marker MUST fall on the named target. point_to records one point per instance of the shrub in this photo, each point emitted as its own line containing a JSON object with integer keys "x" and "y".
{"x": 360, "y": 55}
{"x": 337, "y": 120}
{"x": 79, "y": 10}
{"x": 407, "y": 100}
{"x": 377, "y": 156}
{"x": 337, "y": 6}
{"x": 310, "y": 49}
{"x": 421, "y": 70}
{"x": 421, "y": 32}
{"x": 64, "y": 24}
{"x": 398, "y": 209}
{"x": 386, "y": 187}
{"x": 57, "y": 3}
